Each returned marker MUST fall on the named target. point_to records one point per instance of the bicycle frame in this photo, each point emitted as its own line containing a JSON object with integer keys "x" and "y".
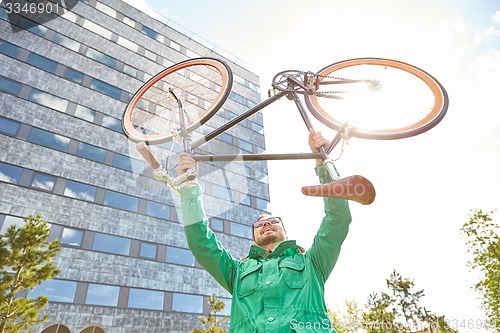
{"x": 342, "y": 188}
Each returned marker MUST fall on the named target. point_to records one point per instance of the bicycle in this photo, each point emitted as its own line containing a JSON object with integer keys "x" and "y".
{"x": 184, "y": 96}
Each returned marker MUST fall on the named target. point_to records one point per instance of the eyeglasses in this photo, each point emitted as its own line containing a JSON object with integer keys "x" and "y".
{"x": 271, "y": 220}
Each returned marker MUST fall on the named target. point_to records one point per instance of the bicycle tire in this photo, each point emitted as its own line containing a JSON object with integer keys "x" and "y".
{"x": 152, "y": 114}
{"x": 407, "y": 82}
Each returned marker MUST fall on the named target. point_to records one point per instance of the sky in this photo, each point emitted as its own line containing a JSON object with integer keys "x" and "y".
{"x": 426, "y": 185}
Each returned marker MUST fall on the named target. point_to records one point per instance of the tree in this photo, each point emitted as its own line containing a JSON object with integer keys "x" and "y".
{"x": 395, "y": 311}
{"x": 210, "y": 323}
{"x": 26, "y": 261}
{"x": 483, "y": 242}
{"x": 348, "y": 321}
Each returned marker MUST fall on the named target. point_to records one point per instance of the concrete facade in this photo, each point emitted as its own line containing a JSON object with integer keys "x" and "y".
{"x": 124, "y": 264}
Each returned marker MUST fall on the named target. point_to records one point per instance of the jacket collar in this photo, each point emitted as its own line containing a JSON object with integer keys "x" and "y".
{"x": 285, "y": 248}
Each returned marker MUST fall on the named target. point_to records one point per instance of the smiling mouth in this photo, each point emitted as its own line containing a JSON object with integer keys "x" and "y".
{"x": 267, "y": 230}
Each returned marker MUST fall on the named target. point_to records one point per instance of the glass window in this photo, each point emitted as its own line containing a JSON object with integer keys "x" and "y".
{"x": 9, "y": 86}
{"x": 129, "y": 70}
{"x": 48, "y": 100}
{"x": 105, "y": 9}
{"x": 127, "y": 44}
{"x": 73, "y": 75}
{"x": 128, "y": 21}
{"x": 245, "y": 145}
{"x": 157, "y": 210}
{"x": 97, "y": 29}
{"x": 227, "y": 138}
{"x": 246, "y": 200}
{"x": 127, "y": 163}
{"x": 111, "y": 244}
{"x": 180, "y": 256}
{"x": 262, "y": 204}
{"x": 55, "y": 290}
{"x": 145, "y": 299}
{"x": 112, "y": 123}
{"x": 80, "y": 191}
{"x": 9, "y": 49}
{"x": 42, "y": 62}
{"x": 221, "y": 192}
{"x": 8, "y": 126}
{"x": 72, "y": 237}
{"x": 31, "y": 26}
{"x": 150, "y": 32}
{"x": 121, "y": 201}
{"x": 106, "y": 88}
{"x": 10, "y": 173}
{"x": 85, "y": 113}
{"x": 10, "y": 221}
{"x": 98, "y": 294}
{"x": 241, "y": 230}
{"x": 187, "y": 303}
{"x": 217, "y": 224}
{"x": 148, "y": 250}
{"x": 101, "y": 57}
{"x": 227, "y": 307}
{"x": 254, "y": 87}
{"x": 43, "y": 181}
{"x": 67, "y": 42}
{"x": 91, "y": 152}
{"x": 237, "y": 98}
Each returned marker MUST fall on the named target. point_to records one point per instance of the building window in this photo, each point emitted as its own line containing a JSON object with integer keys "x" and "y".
{"x": 9, "y": 49}
{"x": 187, "y": 303}
{"x": 221, "y": 192}
{"x": 55, "y": 290}
{"x": 91, "y": 152}
{"x": 241, "y": 230}
{"x": 59, "y": 328}
{"x": 245, "y": 145}
{"x": 227, "y": 138}
{"x": 148, "y": 250}
{"x": 9, "y": 86}
{"x": 98, "y": 294}
{"x": 112, "y": 123}
{"x": 67, "y": 42}
{"x": 8, "y": 126}
{"x": 106, "y": 88}
{"x": 145, "y": 299}
{"x": 85, "y": 113}
{"x": 10, "y": 221}
{"x": 80, "y": 191}
{"x": 10, "y": 173}
{"x": 73, "y": 75}
{"x": 43, "y": 181}
{"x": 179, "y": 256}
{"x": 157, "y": 210}
{"x": 72, "y": 237}
{"x": 42, "y": 62}
{"x": 262, "y": 204}
{"x": 126, "y": 163}
{"x": 121, "y": 201}
{"x": 101, "y": 57}
{"x": 216, "y": 224}
{"x": 48, "y": 139}
{"x": 111, "y": 244}
{"x": 48, "y": 100}
{"x": 246, "y": 200}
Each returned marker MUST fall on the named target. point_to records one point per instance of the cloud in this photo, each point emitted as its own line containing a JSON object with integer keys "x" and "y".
{"x": 144, "y": 7}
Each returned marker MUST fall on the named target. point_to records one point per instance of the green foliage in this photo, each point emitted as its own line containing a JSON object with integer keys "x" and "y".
{"x": 26, "y": 261}
{"x": 210, "y": 323}
{"x": 395, "y": 311}
{"x": 483, "y": 243}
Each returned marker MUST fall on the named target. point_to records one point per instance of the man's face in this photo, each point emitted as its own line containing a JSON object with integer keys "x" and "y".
{"x": 268, "y": 230}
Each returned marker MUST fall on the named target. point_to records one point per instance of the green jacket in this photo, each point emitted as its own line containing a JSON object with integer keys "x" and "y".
{"x": 282, "y": 291}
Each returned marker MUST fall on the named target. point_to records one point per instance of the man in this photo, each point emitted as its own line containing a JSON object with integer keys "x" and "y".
{"x": 278, "y": 287}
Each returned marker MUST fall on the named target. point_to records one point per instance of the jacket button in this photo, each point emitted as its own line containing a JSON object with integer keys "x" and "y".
{"x": 270, "y": 319}
{"x": 268, "y": 282}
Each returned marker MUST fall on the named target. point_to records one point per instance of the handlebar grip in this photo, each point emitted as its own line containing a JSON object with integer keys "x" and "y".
{"x": 143, "y": 149}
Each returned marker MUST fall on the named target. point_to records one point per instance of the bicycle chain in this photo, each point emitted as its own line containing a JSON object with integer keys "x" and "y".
{"x": 315, "y": 76}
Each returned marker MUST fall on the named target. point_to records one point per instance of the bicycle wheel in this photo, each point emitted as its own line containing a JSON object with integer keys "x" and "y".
{"x": 382, "y": 99}
{"x": 202, "y": 85}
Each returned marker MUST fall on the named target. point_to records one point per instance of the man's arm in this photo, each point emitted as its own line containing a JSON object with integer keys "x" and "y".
{"x": 325, "y": 249}
{"x": 202, "y": 242}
